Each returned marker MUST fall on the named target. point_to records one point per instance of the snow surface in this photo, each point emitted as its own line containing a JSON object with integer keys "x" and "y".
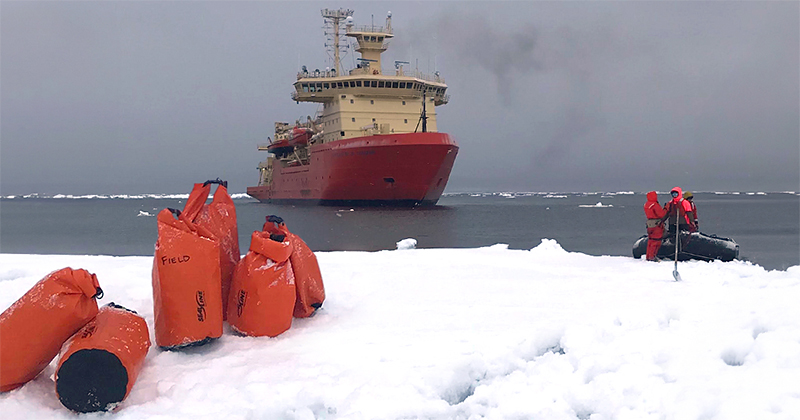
{"x": 471, "y": 333}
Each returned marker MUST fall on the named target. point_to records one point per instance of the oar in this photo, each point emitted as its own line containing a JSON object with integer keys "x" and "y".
{"x": 677, "y": 242}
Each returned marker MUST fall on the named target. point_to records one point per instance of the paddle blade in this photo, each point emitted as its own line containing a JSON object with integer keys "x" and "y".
{"x": 676, "y": 275}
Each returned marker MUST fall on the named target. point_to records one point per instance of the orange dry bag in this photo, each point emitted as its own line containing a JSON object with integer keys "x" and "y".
{"x": 262, "y": 293}
{"x": 187, "y": 298}
{"x": 219, "y": 217}
{"x": 99, "y": 364}
{"x": 307, "y": 277}
{"x": 33, "y": 329}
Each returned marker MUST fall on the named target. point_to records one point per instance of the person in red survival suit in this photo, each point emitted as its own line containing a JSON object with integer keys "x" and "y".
{"x": 688, "y": 196}
{"x": 655, "y": 227}
{"x": 679, "y": 206}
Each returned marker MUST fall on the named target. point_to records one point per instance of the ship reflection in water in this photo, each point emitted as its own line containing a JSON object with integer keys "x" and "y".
{"x": 376, "y": 140}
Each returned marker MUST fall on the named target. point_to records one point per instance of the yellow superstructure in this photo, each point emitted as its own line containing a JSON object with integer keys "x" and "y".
{"x": 366, "y": 101}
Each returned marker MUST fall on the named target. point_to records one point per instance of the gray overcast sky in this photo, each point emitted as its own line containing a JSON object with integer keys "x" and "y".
{"x": 148, "y": 97}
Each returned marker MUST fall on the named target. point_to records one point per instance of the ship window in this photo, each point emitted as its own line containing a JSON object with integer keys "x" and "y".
{"x": 326, "y": 86}
{"x": 380, "y": 84}
{"x": 354, "y": 120}
{"x": 305, "y": 87}
{"x": 319, "y": 87}
{"x": 351, "y": 101}
{"x": 358, "y": 83}
{"x": 373, "y": 120}
{"x": 409, "y": 86}
{"x": 404, "y": 102}
{"x": 374, "y": 83}
{"x": 339, "y": 85}
{"x": 344, "y": 96}
{"x": 347, "y": 84}
{"x": 406, "y": 121}
{"x": 372, "y": 102}
{"x": 402, "y": 85}
{"x": 372, "y": 38}
{"x": 342, "y": 133}
{"x": 388, "y": 84}
{"x": 394, "y": 85}
{"x": 380, "y": 39}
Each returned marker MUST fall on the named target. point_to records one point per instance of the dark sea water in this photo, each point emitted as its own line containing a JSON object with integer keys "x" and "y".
{"x": 765, "y": 225}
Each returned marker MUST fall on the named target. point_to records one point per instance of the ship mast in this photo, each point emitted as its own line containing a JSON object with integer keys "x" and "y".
{"x": 333, "y": 17}
{"x": 423, "y": 118}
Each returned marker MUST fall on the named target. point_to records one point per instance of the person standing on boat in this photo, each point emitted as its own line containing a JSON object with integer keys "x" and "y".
{"x": 688, "y": 196}
{"x": 655, "y": 226}
{"x": 679, "y": 207}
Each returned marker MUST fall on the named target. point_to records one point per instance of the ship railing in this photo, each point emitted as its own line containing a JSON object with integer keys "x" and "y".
{"x": 369, "y": 28}
{"x": 429, "y": 77}
{"x": 318, "y": 74}
{"x": 357, "y": 71}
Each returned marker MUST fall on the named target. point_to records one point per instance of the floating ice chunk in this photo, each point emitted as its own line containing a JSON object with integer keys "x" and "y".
{"x": 144, "y": 213}
{"x": 598, "y": 205}
{"x": 408, "y": 243}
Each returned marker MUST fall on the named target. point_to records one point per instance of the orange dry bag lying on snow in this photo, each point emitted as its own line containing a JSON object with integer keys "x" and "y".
{"x": 33, "y": 329}
{"x": 219, "y": 217}
{"x": 187, "y": 299}
{"x": 99, "y": 364}
{"x": 307, "y": 277}
{"x": 263, "y": 293}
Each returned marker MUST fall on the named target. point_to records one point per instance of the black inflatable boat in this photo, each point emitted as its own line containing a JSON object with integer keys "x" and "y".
{"x": 694, "y": 246}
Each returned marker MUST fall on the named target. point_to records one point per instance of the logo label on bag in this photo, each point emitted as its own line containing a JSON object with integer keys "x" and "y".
{"x": 89, "y": 330}
{"x": 175, "y": 260}
{"x": 201, "y": 305}
{"x": 240, "y": 302}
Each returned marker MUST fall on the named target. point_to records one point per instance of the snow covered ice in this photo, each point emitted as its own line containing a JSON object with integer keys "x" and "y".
{"x": 471, "y": 333}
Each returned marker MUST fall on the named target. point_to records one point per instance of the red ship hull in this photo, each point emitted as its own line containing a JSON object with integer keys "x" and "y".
{"x": 390, "y": 169}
